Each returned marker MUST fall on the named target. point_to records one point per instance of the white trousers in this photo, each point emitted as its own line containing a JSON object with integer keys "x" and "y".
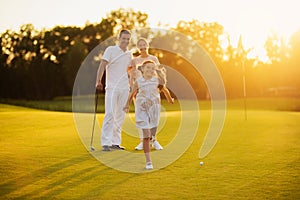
{"x": 115, "y": 101}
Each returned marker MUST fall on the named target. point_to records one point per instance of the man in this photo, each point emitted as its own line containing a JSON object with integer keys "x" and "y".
{"x": 115, "y": 61}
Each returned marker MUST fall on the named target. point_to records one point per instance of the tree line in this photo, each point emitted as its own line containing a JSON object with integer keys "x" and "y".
{"x": 41, "y": 65}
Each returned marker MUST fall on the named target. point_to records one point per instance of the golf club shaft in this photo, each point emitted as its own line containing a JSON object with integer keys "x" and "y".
{"x": 94, "y": 121}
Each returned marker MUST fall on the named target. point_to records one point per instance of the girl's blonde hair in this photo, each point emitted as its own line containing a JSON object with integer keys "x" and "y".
{"x": 144, "y": 63}
{"x": 160, "y": 71}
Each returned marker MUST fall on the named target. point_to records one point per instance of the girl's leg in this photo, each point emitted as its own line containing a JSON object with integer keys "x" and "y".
{"x": 153, "y": 133}
{"x": 146, "y": 144}
{"x": 155, "y": 142}
{"x": 140, "y": 145}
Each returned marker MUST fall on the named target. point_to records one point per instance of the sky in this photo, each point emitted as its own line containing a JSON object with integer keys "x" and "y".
{"x": 253, "y": 19}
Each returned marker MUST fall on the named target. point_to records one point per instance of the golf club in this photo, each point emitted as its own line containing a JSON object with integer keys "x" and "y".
{"x": 94, "y": 121}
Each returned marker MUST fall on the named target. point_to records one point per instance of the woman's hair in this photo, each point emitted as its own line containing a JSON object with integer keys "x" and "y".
{"x": 142, "y": 39}
{"x": 161, "y": 73}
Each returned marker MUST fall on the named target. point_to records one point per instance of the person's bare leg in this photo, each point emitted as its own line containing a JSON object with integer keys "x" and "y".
{"x": 146, "y": 144}
{"x": 153, "y": 133}
{"x": 156, "y": 144}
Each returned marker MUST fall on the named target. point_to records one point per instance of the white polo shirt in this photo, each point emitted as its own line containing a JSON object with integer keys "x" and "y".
{"x": 116, "y": 70}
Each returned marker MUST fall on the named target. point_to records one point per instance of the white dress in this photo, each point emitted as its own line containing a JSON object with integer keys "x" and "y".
{"x": 147, "y": 103}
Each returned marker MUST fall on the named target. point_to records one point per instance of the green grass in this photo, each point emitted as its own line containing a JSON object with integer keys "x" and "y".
{"x": 64, "y": 104}
{"x": 42, "y": 157}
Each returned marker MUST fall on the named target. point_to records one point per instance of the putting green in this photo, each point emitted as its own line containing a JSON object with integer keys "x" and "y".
{"x": 43, "y": 157}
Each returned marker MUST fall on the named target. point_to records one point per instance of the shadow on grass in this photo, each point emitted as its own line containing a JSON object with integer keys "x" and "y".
{"x": 18, "y": 183}
{"x": 60, "y": 184}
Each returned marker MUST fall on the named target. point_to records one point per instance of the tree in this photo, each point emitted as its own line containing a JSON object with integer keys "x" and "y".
{"x": 294, "y": 62}
{"x": 173, "y": 46}
{"x": 205, "y": 34}
{"x": 76, "y": 54}
{"x": 278, "y": 53}
{"x": 3, "y": 68}
{"x": 127, "y": 19}
{"x": 43, "y": 64}
{"x": 277, "y": 49}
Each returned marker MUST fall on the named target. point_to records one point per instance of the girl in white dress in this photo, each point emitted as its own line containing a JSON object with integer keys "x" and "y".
{"x": 147, "y": 105}
{"x": 135, "y": 73}
{"x": 143, "y": 46}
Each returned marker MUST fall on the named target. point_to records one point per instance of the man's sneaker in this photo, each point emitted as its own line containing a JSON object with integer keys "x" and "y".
{"x": 117, "y": 147}
{"x": 149, "y": 166}
{"x": 157, "y": 146}
{"x": 139, "y": 147}
{"x": 105, "y": 148}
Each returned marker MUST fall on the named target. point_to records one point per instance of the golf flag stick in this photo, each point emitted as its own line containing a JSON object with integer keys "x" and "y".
{"x": 244, "y": 89}
{"x": 242, "y": 54}
{"x": 94, "y": 121}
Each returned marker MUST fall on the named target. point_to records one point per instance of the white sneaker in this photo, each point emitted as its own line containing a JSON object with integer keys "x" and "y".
{"x": 149, "y": 166}
{"x": 157, "y": 146}
{"x": 139, "y": 147}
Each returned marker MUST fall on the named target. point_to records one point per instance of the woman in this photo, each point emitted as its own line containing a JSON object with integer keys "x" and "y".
{"x": 144, "y": 56}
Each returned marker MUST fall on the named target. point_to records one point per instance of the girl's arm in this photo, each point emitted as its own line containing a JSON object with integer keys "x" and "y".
{"x": 161, "y": 74}
{"x": 130, "y": 97}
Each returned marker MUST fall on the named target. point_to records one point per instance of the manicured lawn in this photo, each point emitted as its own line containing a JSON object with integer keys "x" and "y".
{"x": 42, "y": 157}
{"x": 64, "y": 104}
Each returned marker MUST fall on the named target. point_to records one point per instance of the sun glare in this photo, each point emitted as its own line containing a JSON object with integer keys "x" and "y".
{"x": 254, "y": 19}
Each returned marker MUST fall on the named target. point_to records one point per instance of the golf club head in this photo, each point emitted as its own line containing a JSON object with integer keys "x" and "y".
{"x": 92, "y": 148}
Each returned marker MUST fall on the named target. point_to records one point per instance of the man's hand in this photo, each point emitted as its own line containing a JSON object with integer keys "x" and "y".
{"x": 126, "y": 108}
{"x": 99, "y": 86}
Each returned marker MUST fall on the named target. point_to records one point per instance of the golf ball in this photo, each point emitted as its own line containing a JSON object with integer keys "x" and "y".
{"x": 201, "y": 163}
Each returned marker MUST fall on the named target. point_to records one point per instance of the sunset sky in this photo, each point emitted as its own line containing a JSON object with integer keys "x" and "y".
{"x": 252, "y": 19}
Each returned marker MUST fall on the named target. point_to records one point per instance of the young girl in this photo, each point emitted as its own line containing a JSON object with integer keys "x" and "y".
{"x": 144, "y": 56}
{"x": 147, "y": 104}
